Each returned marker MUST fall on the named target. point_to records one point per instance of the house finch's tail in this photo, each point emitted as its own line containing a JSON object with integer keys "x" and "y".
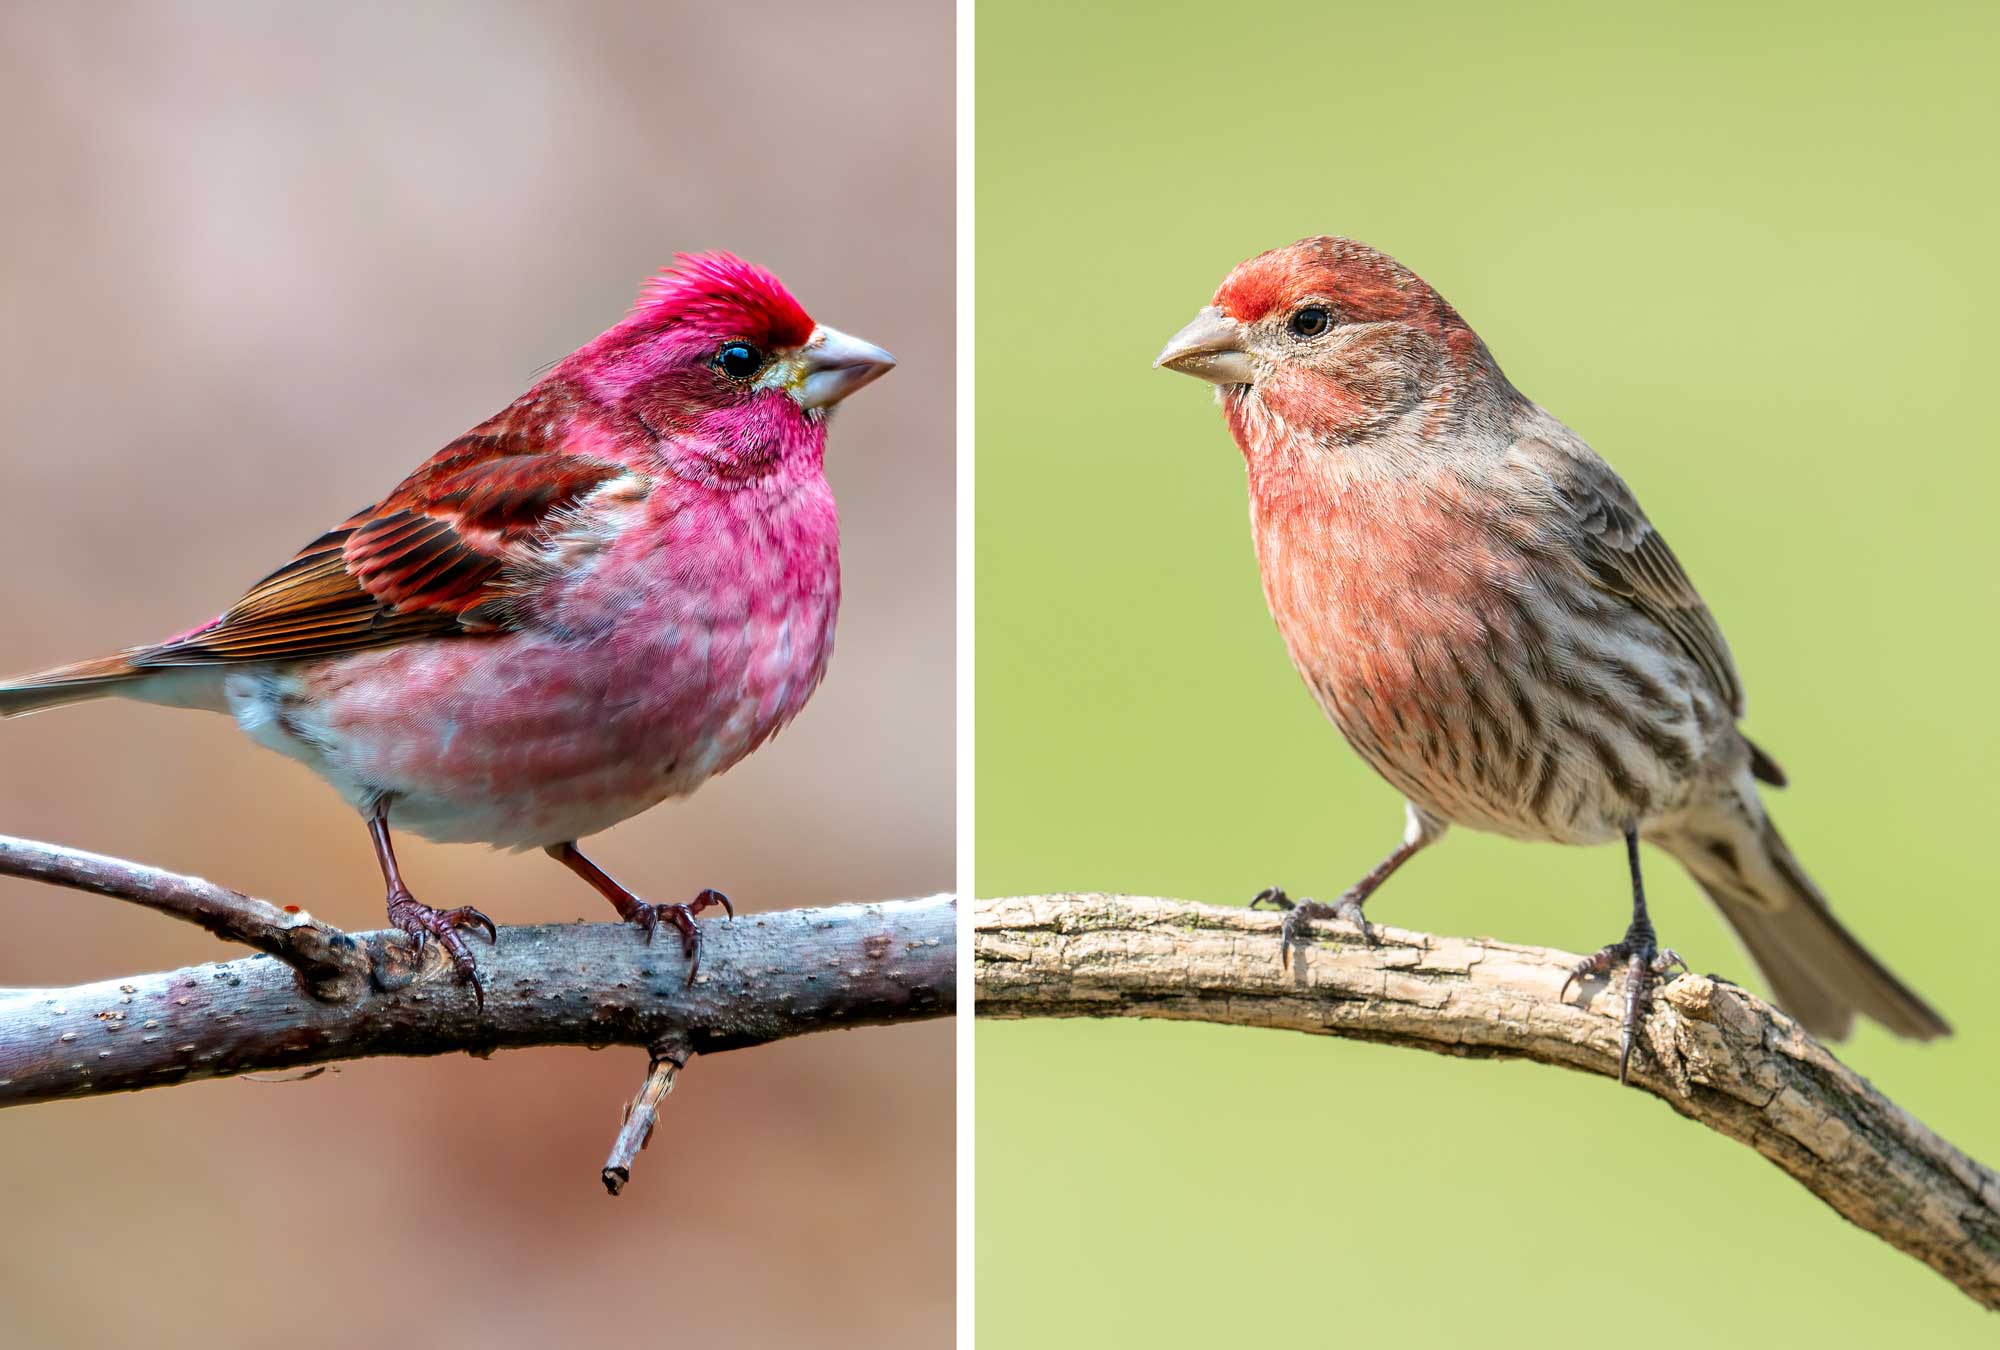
{"x": 1817, "y": 971}
{"x": 73, "y": 683}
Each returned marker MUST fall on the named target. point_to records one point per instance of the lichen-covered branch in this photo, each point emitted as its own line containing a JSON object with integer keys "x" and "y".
{"x": 1714, "y": 1052}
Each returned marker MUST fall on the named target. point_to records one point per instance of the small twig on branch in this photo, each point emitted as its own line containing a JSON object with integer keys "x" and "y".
{"x": 324, "y": 995}
{"x": 326, "y": 957}
{"x": 1713, "y": 1052}
{"x": 642, "y": 1111}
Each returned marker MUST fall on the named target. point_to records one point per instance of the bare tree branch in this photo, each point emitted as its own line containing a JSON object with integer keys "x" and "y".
{"x": 325, "y": 995}
{"x": 1717, "y": 1054}
{"x": 325, "y": 956}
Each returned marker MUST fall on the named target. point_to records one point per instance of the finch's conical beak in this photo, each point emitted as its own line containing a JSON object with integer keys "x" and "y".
{"x": 1209, "y": 348}
{"x": 833, "y": 365}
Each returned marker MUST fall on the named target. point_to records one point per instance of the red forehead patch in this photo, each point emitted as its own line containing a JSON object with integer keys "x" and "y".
{"x": 727, "y": 297}
{"x": 1364, "y": 284}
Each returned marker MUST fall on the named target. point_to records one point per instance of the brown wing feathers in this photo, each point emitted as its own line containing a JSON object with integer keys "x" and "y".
{"x": 418, "y": 564}
{"x": 412, "y": 566}
{"x": 1627, "y": 557}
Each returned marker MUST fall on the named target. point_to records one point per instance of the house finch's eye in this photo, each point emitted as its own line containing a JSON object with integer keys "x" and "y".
{"x": 1311, "y": 321}
{"x": 739, "y": 360}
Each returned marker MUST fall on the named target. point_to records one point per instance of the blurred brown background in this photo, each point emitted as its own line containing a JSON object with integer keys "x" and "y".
{"x": 257, "y": 262}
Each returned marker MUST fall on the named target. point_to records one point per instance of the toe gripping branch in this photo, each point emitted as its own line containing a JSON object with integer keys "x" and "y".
{"x": 1299, "y": 914}
{"x": 423, "y": 923}
{"x": 1642, "y": 956}
{"x": 648, "y": 917}
{"x": 419, "y": 920}
{"x": 1644, "y": 961}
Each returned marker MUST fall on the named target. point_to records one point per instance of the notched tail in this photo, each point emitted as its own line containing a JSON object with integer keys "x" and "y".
{"x": 74, "y": 683}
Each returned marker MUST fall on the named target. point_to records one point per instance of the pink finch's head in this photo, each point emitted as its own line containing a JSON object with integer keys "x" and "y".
{"x": 1332, "y": 336}
{"x": 725, "y": 367}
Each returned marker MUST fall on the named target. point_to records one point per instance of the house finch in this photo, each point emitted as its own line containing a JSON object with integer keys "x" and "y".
{"x": 597, "y": 599}
{"x": 1477, "y": 602}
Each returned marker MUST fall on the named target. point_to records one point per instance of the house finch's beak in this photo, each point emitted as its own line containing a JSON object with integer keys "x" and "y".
{"x": 1210, "y": 348}
{"x": 833, "y": 365}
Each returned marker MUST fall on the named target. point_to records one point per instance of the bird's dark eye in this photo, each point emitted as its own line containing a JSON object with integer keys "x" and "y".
{"x": 739, "y": 360}
{"x": 1311, "y": 321}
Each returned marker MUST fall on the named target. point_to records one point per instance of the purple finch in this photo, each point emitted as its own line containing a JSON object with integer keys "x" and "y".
{"x": 595, "y": 600}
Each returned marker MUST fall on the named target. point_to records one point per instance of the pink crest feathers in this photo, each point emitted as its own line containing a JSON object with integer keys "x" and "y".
{"x": 724, "y": 295}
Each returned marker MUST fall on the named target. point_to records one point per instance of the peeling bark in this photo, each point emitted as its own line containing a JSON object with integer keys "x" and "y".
{"x": 1713, "y": 1052}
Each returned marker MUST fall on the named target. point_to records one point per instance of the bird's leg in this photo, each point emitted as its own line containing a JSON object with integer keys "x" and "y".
{"x": 636, "y": 911}
{"x": 1299, "y": 914}
{"x": 1642, "y": 956}
{"x": 419, "y": 920}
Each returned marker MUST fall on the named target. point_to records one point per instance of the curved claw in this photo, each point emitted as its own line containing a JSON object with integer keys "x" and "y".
{"x": 1299, "y": 915}
{"x": 465, "y": 916}
{"x": 1641, "y": 971}
{"x": 691, "y": 949}
{"x": 422, "y": 923}
{"x": 1597, "y": 963}
{"x": 1349, "y": 908}
{"x": 464, "y": 971}
{"x": 1273, "y": 896}
{"x": 648, "y": 917}
{"x": 1643, "y": 964}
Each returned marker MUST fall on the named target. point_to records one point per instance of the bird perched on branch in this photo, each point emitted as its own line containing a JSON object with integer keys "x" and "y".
{"x": 600, "y": 597}
{"x": 1479, "y": 605}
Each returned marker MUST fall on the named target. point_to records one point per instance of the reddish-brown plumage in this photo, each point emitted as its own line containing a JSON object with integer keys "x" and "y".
{"x": 1378, "y": 592}
{"x": 441, "y": 543}
{"x": 1479, "y": 605}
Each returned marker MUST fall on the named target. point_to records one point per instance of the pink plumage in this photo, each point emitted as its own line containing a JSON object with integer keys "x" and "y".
{"x": 597, "y": 599}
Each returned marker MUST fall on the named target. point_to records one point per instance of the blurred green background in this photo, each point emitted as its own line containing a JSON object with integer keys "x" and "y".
{"x": 1750, "y": 256}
